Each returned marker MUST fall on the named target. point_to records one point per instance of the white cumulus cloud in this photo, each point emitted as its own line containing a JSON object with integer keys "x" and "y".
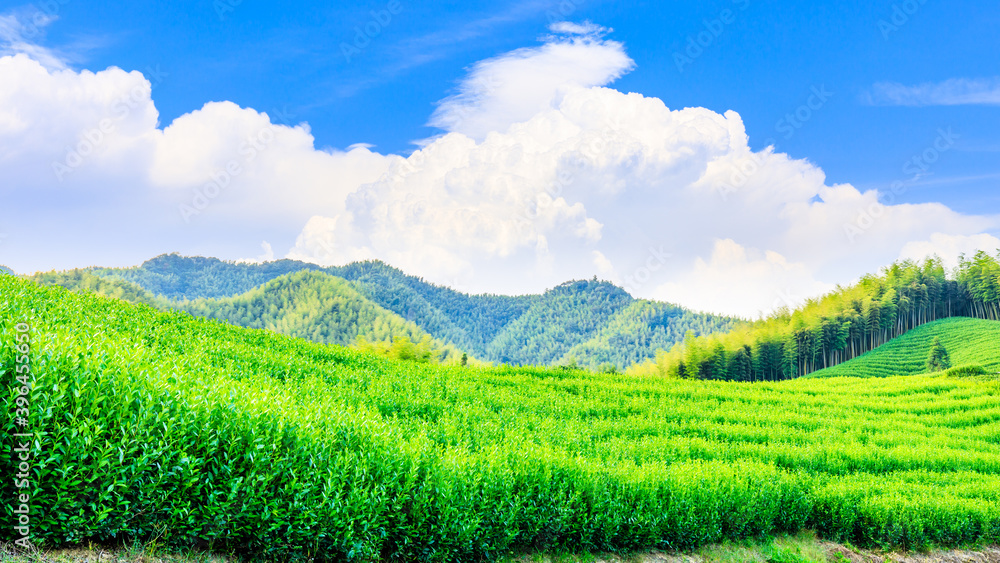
{"x": 543, "y": 174}
{"x": 950, "y": 247}
{"x": 742, "y": 282}
{"x": 513, "y": 87}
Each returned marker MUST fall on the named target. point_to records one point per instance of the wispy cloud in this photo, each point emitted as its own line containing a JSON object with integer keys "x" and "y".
{"x": 19, "y": 34}
{"x": 417, "y": 51}
{"x": 585, "y": 28}
{"x": 951, "y": 92}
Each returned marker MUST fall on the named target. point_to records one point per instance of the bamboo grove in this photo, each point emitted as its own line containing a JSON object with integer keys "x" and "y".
{"x": 839, "y": 326}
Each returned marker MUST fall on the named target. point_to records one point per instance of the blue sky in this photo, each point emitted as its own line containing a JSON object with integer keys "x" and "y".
{"x": 885, "y": 80}
{"x": 762, "y": 64}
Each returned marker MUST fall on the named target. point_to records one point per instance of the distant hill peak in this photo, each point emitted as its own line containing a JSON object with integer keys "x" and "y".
{"x": 593, "y": 319}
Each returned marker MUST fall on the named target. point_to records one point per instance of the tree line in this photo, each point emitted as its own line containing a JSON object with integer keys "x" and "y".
{"x": 840, "y": 326}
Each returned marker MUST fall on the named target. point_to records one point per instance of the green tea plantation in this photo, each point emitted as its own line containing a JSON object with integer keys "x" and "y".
{"x": 152, "y": 425}
{"x": 971, "y": 342}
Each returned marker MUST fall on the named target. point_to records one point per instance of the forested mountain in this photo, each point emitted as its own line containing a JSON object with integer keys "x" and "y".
{"x": 318, "y": 307}
{"x": 86, "y": 281}
{"x": 585, "y": 322}
{"x": 639, "y": 330}
{"x": 840, "y": 326}
{"x": 563, "y": 317}
{"x": 469, "y": 322}
{"x": 192, "y": 277}
{"x": 305, "y": 304}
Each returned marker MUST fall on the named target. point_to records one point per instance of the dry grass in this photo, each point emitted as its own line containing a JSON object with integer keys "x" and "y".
{"x": 802, "y": 548}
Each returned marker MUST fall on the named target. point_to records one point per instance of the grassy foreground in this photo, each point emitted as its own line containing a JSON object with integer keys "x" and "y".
{"x": 212, "y": 437}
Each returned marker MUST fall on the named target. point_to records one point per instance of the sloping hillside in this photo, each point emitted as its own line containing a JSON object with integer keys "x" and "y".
{"x": 168, "y": 428}
{"x": 315, "y": 306}
{"x": 565, "y": 316}
{"x": 306, "y": 304}
{"x": 608, "y": 327}
{"x": 842, "y": 325}
{"x": 639, "y": 330}
{"x": 968, "y": 341}
{"x": 469, "y": 322}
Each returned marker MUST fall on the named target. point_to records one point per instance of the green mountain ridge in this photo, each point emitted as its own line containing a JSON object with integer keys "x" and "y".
{"x": 315, "y": 306}
{"x": 305, "y": 304}
{"x": 565, "y": 316}
{"x": 638, "y": 331}
{"x": 587, "y": 322}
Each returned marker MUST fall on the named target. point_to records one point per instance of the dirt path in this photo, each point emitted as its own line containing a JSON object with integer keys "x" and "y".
{"x": 834, "y": 553}
{"x": 990, "y": 555}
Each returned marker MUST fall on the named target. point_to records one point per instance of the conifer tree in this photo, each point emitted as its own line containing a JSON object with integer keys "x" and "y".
{"x": 938, "y": 359}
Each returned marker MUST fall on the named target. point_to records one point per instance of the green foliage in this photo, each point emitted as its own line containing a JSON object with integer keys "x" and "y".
{"x": 636, "y": 332}
{"x": 200, "y": 433}
{"x": 593, "y": 321}
{"x": 325, "y": 309}
{"x": 565, "y": 316}
{"x": 938, "y": 359}
{"x": 970, "y": 342}
{"x": 85, "y": 281}
{"x": 966, "y": 371}
{"x": 306, "y": 304}
{"x": 402, "y": 348}
{"x": 841, "y": 326}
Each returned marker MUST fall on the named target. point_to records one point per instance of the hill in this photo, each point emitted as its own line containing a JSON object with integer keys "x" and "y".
{"x": 162, "y": 425}
{"x": 840, "y": 326}
{"x": 319, "y": 307}
{"x": 306, "y": 304}
{"x": 636, "y": 332}
{"x": 603, "y": 321}
{"x": 968, "y": 341}
{"x": 563, "y": 317}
